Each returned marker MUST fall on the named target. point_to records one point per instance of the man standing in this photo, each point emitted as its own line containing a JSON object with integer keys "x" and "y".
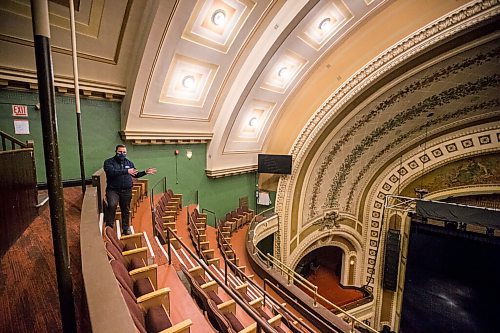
{"x": 119, "y": 172}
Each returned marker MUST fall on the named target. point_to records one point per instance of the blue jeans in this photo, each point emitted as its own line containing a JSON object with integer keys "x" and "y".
{"x": 115, "y": 197}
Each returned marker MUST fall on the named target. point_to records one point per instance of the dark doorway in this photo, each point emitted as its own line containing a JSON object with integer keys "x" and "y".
{"x": 329, "y": 257}
{"x": 451, "y": 281}
{"x": 323, "y": 268}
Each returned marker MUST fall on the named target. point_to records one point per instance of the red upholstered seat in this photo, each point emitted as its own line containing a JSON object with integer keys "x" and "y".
{"x": 154, "y": 320}
{"x": 134, "y": 288}
{"x": 114, "y": 253}
{"x": 233, "y": 321}
{"x": 130, "y": 243}
{"x": 157, "y": 319}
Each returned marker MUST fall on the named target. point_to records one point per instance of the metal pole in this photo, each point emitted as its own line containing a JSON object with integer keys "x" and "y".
{"x": 41, "y": 32}
{"x": 225, "y": 272}
{"x": 77, "y": 93}
{"x": 168, "y": 247}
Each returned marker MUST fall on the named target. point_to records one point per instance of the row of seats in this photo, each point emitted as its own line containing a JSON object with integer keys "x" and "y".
{"x": 224, "y": 243}
{"x": 236, "y": 219}
{"x": 165, "y": 214}
{"x": 220, "y": 310}
{"x": 197, "y": 227}
{"x": 149, "y": 306}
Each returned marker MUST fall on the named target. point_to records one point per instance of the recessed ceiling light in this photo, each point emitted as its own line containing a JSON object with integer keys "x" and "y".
{"x": 283, "y": 72}
{"x": 325, "y": 24}
{"x": 188, "y": 82}
{"x": 253, "y": 122}
{"x": 219, "y": 17}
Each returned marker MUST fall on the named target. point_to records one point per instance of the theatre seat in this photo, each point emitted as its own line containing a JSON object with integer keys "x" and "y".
{"x": 137, "y": 282}
{"x": 125, "y": 242}
{"x": 131, "y": 259}
{"x": 224, "y": 314}
{"x": 151, "y": 313}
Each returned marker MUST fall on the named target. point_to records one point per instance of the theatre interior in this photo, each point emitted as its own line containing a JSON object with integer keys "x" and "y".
{"x": 322, "y": 165}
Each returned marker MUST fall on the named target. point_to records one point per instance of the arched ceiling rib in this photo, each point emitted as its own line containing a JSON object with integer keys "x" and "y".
{"x": 247, "y": 86}
{"x": 198, "y": 87}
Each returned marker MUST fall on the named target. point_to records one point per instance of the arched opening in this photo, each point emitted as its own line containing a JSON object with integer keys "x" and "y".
{"x": 324, "y": 258}
{"x": 324, "y": 268}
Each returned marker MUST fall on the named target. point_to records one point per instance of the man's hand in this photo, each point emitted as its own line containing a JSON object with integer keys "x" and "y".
{"x": 150, "y": 171}
{"x": 132, "y": 172}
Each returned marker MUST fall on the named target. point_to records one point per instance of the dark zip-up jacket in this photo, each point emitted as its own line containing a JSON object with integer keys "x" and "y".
{"x": 117, "y": 176}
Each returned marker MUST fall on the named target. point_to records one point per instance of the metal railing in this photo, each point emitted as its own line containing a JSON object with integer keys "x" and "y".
{"x": 238, "y": 272}
{"x": 293, "y": 277}
{"x": 162, "y": 181}
{"x": 261, "y": 323}
{"x": 203, "y": 210}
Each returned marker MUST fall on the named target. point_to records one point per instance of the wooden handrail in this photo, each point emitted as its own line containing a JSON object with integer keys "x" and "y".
{"x": 14, "y": 141}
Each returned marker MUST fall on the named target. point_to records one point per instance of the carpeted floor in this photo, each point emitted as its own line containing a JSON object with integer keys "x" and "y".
{"x": 28, "y": 287}
{"x": 329, "y": 287}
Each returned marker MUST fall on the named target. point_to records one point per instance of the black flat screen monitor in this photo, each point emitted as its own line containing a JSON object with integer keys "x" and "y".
{"x": 280, "y": 164}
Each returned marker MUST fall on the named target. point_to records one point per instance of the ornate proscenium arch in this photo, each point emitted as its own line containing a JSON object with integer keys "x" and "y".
{"x": 292, "y": 194}
{"x": 434, "y": 92}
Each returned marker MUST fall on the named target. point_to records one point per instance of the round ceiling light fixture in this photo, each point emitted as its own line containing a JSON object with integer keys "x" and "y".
{"x": 325, "y": 24}
{"x": 253, "y": 122}
{"x": 188, "y": 82}
{"x": 219, "y": 17}
{"x": 283, "y": 72}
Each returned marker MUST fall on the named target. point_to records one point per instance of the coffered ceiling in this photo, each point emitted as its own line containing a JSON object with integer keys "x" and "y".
{"x": 244, "y": 76}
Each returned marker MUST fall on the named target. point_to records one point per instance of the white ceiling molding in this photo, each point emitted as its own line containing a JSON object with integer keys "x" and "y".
{"x": 188, "y": 81}
{"x": 216, "y": 23}
{"x": 216, "y": 157}
{"x": 332, "y": 16}
{"x": 284, "y": 72}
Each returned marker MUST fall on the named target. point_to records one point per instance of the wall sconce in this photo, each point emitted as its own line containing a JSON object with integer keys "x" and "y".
{"x": 351, "y": 262}
{"x": 189, "y": 154}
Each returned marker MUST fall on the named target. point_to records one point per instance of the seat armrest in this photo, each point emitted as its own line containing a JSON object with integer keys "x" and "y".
{"x": 210, "y": 286}
{"x": 242, "y": 288}
{"x": 155, "y": 298}
{"x": 275, "y": 321}
{"x": 147, "y": 272}
{"x": 227, "y": 307}
{"x": 140, "y": 253}
{"x": 256, "y": 303}
{"x": 197, "y": 271}
{"x": 252, "y": 328}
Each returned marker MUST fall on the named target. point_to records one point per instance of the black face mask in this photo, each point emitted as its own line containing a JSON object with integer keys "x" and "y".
{"x": 121, "y": 156}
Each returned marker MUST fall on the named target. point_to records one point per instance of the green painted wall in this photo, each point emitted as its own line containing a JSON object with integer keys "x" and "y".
{"x": 100, "y": 127}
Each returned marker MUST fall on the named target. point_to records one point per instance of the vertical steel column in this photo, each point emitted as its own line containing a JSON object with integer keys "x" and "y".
{"x": 41, "y": 32}
{"x": 77, "y": 93}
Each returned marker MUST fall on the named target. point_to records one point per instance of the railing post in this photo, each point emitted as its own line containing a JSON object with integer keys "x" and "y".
{"x": 168, "y": 246}
{"x": 225, "y": 272}
{"x": 315, "y": 303}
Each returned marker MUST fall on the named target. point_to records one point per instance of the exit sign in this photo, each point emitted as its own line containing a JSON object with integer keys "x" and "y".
{"x": 19, "y": 110}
